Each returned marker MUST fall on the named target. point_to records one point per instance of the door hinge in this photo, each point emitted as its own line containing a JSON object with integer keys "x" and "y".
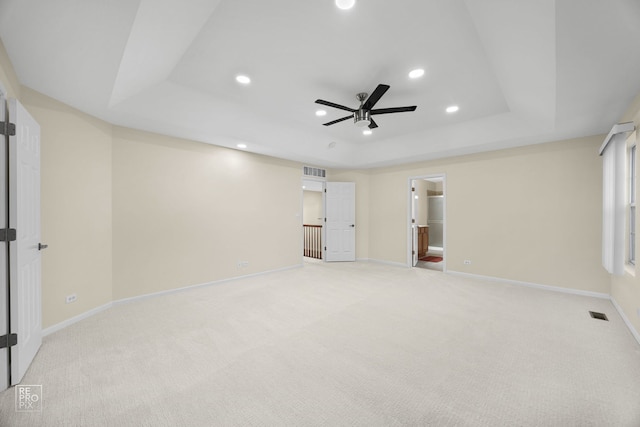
{"x": 325, "y": 248}
{"x": 7, "y": 235}
{"x": 7, "y": 341}
{"x": 7, "y": 128}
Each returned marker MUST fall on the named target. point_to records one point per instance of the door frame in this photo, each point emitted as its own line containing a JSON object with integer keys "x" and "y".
{"x": 5, "y": 368}
{"x": 409, "y": 228}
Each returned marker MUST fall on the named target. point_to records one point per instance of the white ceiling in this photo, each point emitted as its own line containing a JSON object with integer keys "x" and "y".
{"x": 521, "y": 71}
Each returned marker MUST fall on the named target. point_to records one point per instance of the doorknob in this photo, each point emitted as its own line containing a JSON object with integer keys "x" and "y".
{"x": 41, "y": 246}
{"x": 353, "y": 225}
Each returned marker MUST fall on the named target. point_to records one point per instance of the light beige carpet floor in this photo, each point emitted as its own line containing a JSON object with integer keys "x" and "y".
{"x": 347, "y": 344}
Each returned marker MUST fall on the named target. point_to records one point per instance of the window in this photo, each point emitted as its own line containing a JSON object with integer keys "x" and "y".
{"x": 631, "y": 211}
{"x": 617, "y": 251}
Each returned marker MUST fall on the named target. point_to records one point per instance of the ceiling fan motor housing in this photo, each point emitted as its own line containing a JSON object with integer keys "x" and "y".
{"x": 362, "y": 117}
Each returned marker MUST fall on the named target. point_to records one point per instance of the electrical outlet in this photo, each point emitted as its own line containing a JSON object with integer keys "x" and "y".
{"x": 467, "y": 261}
{"x": 71, "y": 298}
{"x": 243, "y": 264}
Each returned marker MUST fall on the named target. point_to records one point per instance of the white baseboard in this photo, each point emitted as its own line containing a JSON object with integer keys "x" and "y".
{"x": 626, "y": 320}
{"x": 87, "y": 314}
{"x": 75, "y": 319}
{"x": 215, "y": 282}
{"x": 381, "y": 261}
{"x": 533, "y": 285}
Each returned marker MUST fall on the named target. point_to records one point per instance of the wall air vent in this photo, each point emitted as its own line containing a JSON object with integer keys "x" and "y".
{"x": 311, "y": 172}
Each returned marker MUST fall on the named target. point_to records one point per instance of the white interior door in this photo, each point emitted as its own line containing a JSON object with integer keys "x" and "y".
{"x": 4, "y": 306}
{"x": 340, "y": 225}
{"x": 24, "y": 255}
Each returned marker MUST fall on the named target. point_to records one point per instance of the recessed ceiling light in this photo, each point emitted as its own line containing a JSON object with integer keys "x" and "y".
{"x": 367, "y": 132}
{"x": 345, "y": 4}
{"x": 452, "y": 109}
{"x": 321, "y": 113}
{"x": 245, "y": 80}
{"x": 418, "y": 72}
{"x": 241, "y": 145}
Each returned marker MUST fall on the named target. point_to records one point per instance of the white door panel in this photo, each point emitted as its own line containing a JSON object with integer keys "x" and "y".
{"x": 340, "y": 216}
{"x": 24, "y": 217}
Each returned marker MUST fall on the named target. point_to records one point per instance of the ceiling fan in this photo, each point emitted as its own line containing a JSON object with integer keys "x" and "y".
{"x": 362, "y": 115}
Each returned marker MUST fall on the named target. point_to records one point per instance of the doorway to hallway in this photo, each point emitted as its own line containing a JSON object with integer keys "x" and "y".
{"x": 427, "y": 222}
{"x": 329, "y": 235}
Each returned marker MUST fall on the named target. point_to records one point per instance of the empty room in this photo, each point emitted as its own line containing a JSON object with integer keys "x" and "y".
{"x": 319, "y": 213}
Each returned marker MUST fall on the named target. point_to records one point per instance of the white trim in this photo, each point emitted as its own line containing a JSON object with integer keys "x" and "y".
{"x": 75, "y": 319}
{"x": 380, "y": 261}
{"x": 600, "y": 295}
{"x": 616, "y": 129}
{"x": 186, "y": 288}
{"x": 87, "y": 314}
{"x": 626, "y": 320}
{"x": 533, "y": 285}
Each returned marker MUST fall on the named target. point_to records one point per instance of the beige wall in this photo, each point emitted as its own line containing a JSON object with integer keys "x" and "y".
{"x": 540, "y": 224}
{"x": 76, "y": 208}
{"x": 186, "y": 213}
{"x": 625, "y": 289}
{"x": 128, "y": 213}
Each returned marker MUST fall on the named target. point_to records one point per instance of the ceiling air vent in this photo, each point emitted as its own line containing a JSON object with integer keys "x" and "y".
{"x": 311, "y": 172}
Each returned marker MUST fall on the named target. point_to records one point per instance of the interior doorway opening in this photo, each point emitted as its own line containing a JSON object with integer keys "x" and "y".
{"x": 312, "y": 220}
{"x": 427, "y": 222}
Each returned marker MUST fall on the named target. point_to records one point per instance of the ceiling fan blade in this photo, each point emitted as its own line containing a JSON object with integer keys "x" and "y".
{"x": 375, "y": 96}
{"x": 338, "y": 121}
{"x": 373, "y": 124}
{"x": 393, "y": 110}
{"x": 331, "y": 104}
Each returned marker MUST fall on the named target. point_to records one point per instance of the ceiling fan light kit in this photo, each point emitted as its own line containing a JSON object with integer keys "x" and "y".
{"x": 362, "y": 115}
{"x": 362, "y": 118}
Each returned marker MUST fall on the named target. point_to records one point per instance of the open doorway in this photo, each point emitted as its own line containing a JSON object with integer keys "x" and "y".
{"x": 312, "y": 219}
{"x": 427, "y": 222}
{"x": 328, "y": 221}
